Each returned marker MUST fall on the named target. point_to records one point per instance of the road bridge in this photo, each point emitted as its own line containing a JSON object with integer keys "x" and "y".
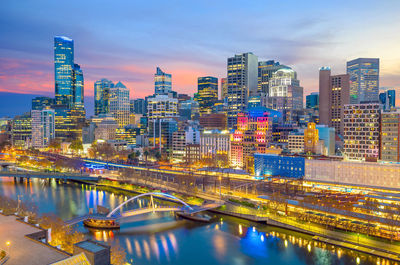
{"x": 48, "y": 175}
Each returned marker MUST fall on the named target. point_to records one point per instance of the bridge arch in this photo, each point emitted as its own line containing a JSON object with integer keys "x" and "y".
{"x": 148, "y": 194}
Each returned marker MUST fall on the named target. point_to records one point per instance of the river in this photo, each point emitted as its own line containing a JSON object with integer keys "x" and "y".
{"x": 161, "y": 238}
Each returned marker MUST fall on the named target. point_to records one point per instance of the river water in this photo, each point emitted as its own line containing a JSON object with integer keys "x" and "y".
{"x": 161, "y": 238}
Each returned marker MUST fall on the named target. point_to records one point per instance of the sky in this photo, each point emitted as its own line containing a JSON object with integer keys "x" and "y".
{"x": 125, "y": 40}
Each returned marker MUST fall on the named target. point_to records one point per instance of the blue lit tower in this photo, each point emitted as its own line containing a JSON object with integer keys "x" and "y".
{"x": 162, "y": 82}
{"x": 63, "y": 70}
{"x": 78, "y": 87}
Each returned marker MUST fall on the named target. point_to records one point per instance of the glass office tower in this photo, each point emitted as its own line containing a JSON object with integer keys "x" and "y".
{"x": 78, "y": 86}
{"x": 207, "y": 89}
{"x": 63, "y": 66}
{"x": 364, "y": 80}
{"x": 102, "y": 96}
{"x": 162, "y": 82}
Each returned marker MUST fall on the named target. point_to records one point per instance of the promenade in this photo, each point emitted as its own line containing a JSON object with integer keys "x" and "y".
{"x": 23, "y": 250}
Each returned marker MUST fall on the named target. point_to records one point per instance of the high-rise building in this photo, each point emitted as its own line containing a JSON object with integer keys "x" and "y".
{"x": 43, "y": 127}
{"x": 215, "y": 143}
{"x": 119, "y": 104}
{"x": 21, "y": 130}
{"x": 207, "y": 89}
{"x": 162, "y": 82}
{"x": 334, "y": 93}
{"x": 101, "y": 96}
{"x": 242, "y": 72}
{"x": 390, "y": 136}
{"x": 139, "y": 106}
{"x": 161, "y": 106}
{"x": 364, "y": 80}
{"x": 224, "y": 88}
{"x": 265, "y": 71}
{"x": 68, "y": 76}
{"x": 63, "y": 66}
{"x": 182, "y": 138}
{"x": 214, "y": 121}
{"x": 312, "y": 101}
{"x": 388, "y": 99}
{"x": 189, "y": 110}
{"x": 285, "y": 94}
{"x": 161, "y": 134}
{"x": 311, "y": 139}
{"x": 253, "y": 134}
{"x": 39, "y": 103}
{"x": 361, "y": 131}
{"x": 78, "y": 87}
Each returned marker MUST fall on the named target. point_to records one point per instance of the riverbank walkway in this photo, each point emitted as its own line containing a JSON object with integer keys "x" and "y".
{"x": 23, "y": 250}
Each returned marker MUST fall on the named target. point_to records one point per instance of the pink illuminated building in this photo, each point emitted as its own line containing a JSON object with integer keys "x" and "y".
{"x": 253, "y": 133}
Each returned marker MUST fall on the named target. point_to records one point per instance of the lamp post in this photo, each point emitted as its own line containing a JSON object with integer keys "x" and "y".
{"x": 220, "y": 179}
{"x": 8, "y": 243}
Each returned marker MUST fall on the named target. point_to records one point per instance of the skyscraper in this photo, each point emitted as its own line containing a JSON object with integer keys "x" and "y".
{"x": 102, "y": 96}
{"x": 63, "y": 70}
{"x": 242, "y": 72}
{"x": 388, "y": 99}
{"x": 364, "y": 80}
{"x": 162, "y": 82}
{"x": 77, "y": 88}
{"x": 334, "y": 93}
{"x": 207, "y": 89}
{"x": 390, "y": 136}
{"x": 285, "y": 94}
{"x": 119, "y": 104}
{"x": 361, "y": 131}
{"x": 43, "y": 127}
{"x": 265, "y": 71}
{"x": 312, "y": 101}
{"x": 224, "y": 88}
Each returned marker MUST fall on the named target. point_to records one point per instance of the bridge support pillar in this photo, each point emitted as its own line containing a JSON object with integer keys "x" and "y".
{"x": 152, "y": 202}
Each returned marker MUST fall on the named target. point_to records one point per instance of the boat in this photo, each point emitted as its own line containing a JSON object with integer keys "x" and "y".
{"x": 193, "y": 217}
{"x": 104, "y": 223}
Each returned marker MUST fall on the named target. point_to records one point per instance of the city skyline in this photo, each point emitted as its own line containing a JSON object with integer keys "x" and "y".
{"x": 28, "y": 68}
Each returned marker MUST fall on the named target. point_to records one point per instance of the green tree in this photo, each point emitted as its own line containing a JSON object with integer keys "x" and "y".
{"x": 55, "y": 144}
{"x": 76, "y": 146}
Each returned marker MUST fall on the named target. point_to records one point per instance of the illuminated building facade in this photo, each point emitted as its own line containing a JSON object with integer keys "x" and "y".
{"x": 161, "y": 134}
{"x": 388, "y": 99}
{"x": 162, "y": 82}
{"x": 224, "y": 88}
{"x": 67, "y": 75}
{"x": 334, "y": 91}
{"x": 69, "y": 122}
{"x": 215, "y": 142}
{"x": 311, "y": 139}
{"x": 207, "y": 89}
{"x": 312, "y": 101}
{"x": 161, "y": 106}
{"x": 253, "y": 134}
{"x": 180, "y": 141}
{"x": 265, "y": 71}
{"x": 361, "y": 131}
{"x": 276, "y": 165}
{"x": 106, "y": 127}
{"x": 39, "y": 103}
{"x": 189, "y": 110}
{"x": 390, "y": 136}
{"x": 285, "y": 94}
{"x": 354, "y": 173}
{"x": 364, "y": 80}
{"x": 139, "y": 106}
{"x": 21, "y": 130}
{"x": 296, "y": 142}
{"x": 214, "y": 121}
{"x": 119, "y": 104}
{"x": 242, "y": 72}
{"x": 43, "y": 127}
{"x": 101, "y": 96}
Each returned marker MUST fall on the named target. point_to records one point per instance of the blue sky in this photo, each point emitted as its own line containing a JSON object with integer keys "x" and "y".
{"x": 126, "y": 40}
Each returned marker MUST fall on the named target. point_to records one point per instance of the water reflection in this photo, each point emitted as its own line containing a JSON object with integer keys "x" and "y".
{"x": 159, "y": 238}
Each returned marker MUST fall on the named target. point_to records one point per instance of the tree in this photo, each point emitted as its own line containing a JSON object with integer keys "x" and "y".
{"x": 4, "y": 142}
{"x": 118, "y": 255}
{"x": 76, "y": 146}
{"x": 55, "y": 144}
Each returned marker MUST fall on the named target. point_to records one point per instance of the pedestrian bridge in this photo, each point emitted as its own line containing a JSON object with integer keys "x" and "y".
{"x": 118, "y": 213}
{"x": 153, "y": 207}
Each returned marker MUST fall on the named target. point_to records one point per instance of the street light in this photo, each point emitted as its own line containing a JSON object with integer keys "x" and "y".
{"x": 8, "y": 243}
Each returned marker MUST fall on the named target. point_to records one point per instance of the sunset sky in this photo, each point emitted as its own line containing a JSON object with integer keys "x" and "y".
{"x": 126, "y": 40}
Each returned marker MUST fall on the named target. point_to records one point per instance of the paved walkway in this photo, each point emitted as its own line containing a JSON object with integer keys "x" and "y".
{"x": 22, "y": 249}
